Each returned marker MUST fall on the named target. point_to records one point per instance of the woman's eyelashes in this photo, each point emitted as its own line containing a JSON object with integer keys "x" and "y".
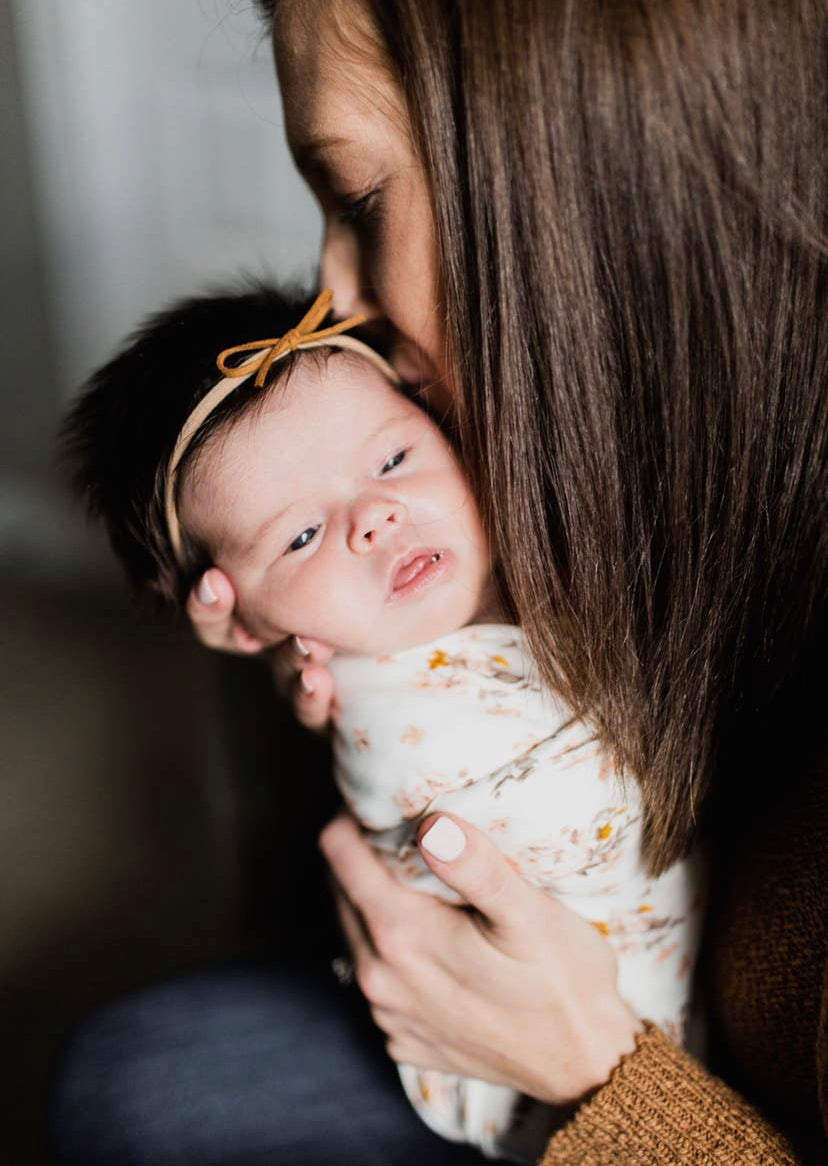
{"x": 359, "y": 211}
{"x": 302, "y": 540}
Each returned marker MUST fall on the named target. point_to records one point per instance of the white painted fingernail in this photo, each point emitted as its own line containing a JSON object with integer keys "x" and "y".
{"x": 205, "y": 592}
{"x": 445, "y": 840}
{"x": 306, "y": 686}
{"x": 300, "y": 647}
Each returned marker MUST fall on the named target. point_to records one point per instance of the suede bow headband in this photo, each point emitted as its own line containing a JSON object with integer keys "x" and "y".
{"x": 306, "y": 334}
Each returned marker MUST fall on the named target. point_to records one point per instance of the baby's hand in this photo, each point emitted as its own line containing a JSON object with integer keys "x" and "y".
{"x": 298, "y": 665}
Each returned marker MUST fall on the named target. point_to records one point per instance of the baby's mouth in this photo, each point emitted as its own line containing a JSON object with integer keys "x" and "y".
{"x": 422, "y": 566}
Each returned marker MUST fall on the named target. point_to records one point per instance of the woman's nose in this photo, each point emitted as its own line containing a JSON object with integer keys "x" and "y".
{"x": 340, "y": 269}
{"x": 372, "y": 522}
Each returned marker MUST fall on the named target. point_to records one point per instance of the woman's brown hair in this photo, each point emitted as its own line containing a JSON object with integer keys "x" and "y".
{"x": 630, "y": 206}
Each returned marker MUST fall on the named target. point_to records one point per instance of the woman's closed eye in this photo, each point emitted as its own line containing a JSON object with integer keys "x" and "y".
{"x": 302, "y": 540}
{"x": 358, "y": 210}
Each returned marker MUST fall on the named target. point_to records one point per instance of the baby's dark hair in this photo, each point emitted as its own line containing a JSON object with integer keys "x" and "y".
{"x": 118, "y": 437}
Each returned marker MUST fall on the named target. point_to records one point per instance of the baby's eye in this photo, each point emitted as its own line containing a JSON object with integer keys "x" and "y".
{"x": 394, "y": 461}
{"x": 303, "y": 539}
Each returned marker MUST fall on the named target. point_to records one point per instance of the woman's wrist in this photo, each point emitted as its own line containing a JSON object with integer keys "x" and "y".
{"x": 603, "y": 1035}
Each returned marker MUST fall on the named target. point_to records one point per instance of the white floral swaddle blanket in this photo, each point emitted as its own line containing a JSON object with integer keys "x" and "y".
{"x": 463, "y": 725}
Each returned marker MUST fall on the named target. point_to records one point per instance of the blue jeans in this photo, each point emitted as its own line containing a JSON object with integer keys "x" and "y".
{"x": 238, "y": 1066}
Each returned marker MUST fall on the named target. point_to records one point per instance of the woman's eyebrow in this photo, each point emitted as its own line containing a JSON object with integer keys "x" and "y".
{"x": 310, "y": 153}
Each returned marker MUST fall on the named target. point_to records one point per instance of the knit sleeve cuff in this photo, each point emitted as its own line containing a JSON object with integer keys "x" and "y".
{"x": 660, "y": 1105}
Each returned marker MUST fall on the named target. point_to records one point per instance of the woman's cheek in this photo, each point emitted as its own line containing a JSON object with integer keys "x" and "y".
{"x": 407, "y": 292}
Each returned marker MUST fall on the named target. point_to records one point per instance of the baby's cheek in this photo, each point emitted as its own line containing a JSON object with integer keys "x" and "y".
{"x": 260, "y": 610}
{"x": 451, "y": 498}
{"x": 322, "y": 607}
{"x": 264, "y": 624}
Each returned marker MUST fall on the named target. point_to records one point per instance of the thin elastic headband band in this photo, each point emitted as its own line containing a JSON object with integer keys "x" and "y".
{"x": 265, "y": 355}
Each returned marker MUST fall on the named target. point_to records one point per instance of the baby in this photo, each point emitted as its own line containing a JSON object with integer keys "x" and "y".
{"x": 339, "y": 511}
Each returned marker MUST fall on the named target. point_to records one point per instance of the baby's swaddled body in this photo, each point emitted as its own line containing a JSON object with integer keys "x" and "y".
{"x": 463, "y": 725}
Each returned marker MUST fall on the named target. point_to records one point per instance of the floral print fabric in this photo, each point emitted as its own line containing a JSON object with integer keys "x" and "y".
{"x": 463, "y": 725}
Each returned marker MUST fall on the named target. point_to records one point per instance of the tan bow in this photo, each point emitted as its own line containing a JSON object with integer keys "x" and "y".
{"x": 269, "y": 351}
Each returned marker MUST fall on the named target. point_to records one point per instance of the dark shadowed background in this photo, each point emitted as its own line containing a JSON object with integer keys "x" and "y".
{"x": 143, "y": 812}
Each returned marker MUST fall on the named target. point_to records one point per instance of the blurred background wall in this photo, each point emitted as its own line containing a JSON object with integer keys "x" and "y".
{"x": 143, "y": 158}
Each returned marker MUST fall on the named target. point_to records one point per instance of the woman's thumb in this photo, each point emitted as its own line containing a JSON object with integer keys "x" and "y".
{"x": 467, "y": 861}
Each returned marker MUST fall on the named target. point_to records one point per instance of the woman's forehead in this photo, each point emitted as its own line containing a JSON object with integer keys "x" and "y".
{"x": 329, "y": 105}
{"x": 334, "y": 62}
{"x": 329, "y": 36}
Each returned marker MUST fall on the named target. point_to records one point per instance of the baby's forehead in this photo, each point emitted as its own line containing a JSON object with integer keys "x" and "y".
{"x": 332, "y": 401}
{"x": 341, "y": 380}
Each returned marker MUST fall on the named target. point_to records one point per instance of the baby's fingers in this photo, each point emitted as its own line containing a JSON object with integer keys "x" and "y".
{"x": 313, "y": 697}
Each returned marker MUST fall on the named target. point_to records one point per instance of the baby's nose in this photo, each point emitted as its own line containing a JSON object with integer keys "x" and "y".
{"x": 373, "y": 522}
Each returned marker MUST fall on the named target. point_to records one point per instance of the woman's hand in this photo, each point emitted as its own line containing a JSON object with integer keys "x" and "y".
{"x": 211, "y": 608}
{"x": 298, "y": 665}
{"x": 300, "y": 673}
{"x": 517, "y": 990}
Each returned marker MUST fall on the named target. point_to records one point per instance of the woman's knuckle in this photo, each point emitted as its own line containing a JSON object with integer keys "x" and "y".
{"x": 395, "y": 1050}
{"x": 382, "y": 1018}
{"x": 390, "y": 941}
{"x": 370, "y": 978}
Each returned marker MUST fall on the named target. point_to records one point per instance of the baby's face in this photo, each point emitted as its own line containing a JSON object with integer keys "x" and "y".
{"x": 340, "y": 513}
